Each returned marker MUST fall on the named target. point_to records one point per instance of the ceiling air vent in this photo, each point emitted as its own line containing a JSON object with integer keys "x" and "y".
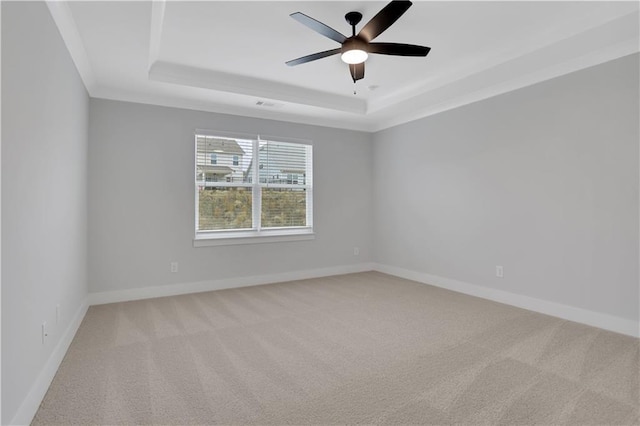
{"x": 267, "y": 104}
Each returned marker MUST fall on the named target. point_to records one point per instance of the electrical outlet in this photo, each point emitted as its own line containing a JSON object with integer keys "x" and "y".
{"x": 45, "y": 332}
{"x": 499, "y": 272}
{"x": 174, "y": 267}
{"x": 356, "y": 251}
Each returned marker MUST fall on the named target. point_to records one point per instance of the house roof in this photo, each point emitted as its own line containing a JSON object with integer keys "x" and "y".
{"x": 219, "y": 146}
{"x": 219, "y": 170}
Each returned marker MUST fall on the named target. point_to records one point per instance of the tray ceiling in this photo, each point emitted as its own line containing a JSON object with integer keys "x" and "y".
{"x": 230, "y": 56}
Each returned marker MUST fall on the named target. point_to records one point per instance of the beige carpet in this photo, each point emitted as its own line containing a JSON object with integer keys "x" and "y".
{"x": 360, "y": 348}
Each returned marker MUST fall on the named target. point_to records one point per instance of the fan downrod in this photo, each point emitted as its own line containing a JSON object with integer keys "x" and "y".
{"x": 353, "y": 18}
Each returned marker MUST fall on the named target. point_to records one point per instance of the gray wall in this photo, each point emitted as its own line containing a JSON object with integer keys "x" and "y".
{"x": 542, "y": 180}
{"x": 44, "y": 194}
{"x": 141, "y": 202}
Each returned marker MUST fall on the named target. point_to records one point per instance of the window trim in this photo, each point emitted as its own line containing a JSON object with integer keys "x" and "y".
{"x": 270, "y": 235}
{"x": 255, "y": 234}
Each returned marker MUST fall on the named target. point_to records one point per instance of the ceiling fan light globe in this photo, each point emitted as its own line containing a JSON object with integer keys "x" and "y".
{"x": 354, "y": 56}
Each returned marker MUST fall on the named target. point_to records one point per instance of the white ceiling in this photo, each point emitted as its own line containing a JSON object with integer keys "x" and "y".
{"x": 225, "y": 56}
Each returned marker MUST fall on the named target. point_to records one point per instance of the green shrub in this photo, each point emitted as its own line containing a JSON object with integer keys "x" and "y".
{"x": 231, "y": 208}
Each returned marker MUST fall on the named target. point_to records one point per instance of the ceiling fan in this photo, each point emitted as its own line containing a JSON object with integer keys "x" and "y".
{"x": 355, "y": 49}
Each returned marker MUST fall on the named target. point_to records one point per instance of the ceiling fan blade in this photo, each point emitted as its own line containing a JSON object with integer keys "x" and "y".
{"x": 318, "y": 27}
{"x": 357, "y": 71}
{"x": 313, "y": 57}
{"x": 384, "y": 19}
{"x": 398, "y": 49}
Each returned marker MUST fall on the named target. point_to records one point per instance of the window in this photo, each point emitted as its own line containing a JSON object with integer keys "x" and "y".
{"x": 267, "y": 197}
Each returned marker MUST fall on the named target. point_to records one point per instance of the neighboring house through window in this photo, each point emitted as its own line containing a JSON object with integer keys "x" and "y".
{"x": 252, "y": 188}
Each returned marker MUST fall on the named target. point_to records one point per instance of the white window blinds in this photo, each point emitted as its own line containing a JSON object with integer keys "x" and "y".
{"x": 254, "y": 186}
{"x": 285, "y": 177}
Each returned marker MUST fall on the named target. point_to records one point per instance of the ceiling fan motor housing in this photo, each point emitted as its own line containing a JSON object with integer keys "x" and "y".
{"x": 354, "y": 43}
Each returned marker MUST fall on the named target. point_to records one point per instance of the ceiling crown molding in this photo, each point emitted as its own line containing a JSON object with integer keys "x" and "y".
{"x": 169, "y": 101}
{"x": 157, "y": 20}
{"x": 208, "y": 79}
{"x": 598, "y": 45}
{"x": 559, "y": 52}
{"x": 63, "y": 19}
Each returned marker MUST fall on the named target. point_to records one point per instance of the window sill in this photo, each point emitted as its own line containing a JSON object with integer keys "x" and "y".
{"x": 252, "y": 237}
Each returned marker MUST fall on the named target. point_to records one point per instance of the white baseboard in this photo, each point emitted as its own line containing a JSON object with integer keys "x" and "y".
{"x": 571, "y": 313}
{"x": 31, "y": 403}
{"x": 209, "y": 285}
